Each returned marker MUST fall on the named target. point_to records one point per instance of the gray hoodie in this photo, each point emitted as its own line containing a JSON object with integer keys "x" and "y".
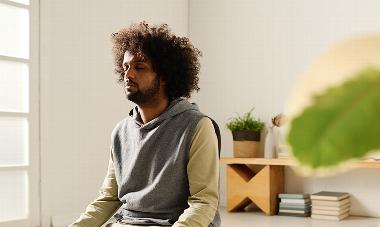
{"x": 151, "y": 164}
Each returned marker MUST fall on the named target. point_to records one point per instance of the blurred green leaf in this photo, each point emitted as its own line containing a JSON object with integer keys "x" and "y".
{"x": 342, "y": 124}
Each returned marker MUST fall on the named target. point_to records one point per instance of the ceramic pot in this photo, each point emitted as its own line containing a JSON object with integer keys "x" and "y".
{"x": 246, "y": 144}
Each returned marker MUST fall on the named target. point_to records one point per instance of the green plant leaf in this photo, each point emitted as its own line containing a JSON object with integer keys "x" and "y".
{"x": 245, "y": 123}
{"x": 341, "y": 124}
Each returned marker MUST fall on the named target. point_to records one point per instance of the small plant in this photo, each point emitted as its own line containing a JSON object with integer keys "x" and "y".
{"x": 245, "y": 123}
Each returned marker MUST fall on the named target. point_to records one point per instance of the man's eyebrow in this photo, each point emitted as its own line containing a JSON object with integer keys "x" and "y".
{"x": 138, "y": 60}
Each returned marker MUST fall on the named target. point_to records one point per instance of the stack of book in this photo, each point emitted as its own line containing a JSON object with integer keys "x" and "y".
{"x": 297, "y": 205}
{"x": 330, "y": 205}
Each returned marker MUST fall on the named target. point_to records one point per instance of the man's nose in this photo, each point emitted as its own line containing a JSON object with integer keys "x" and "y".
{"x": 129, "y": 74}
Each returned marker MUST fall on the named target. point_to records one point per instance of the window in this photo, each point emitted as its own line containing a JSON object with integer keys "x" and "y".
{"x": 19, "y": 132}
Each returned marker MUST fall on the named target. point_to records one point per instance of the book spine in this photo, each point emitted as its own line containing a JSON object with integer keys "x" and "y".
{"x": 294, "y": 215}
{"x": 330, "y": 203}
{"x": 329, "y": 217}
{"x": 331, "y": 207}
{"x": 296, "y": 201}
{"x": 330, "y": 212}
{"x": 296, "y": 208}
{"x": 294, "y": 211}
{"x": 329, "y": 198}
{"x": 293, "y": 196}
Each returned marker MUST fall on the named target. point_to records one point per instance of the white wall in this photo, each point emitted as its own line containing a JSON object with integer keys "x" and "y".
{"x": 80, "y": 99}
{"x": 254, "y": 52}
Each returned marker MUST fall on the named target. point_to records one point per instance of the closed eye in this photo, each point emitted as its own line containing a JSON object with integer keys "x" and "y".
{"x": 139, "y": 67}
{"x": 135, "y": 66}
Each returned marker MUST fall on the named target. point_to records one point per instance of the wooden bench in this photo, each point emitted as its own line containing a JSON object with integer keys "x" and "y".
{"x": 262, "y": 187}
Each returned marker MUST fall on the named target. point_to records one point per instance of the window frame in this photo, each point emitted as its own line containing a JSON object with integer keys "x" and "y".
{"x": 32, "y": 167}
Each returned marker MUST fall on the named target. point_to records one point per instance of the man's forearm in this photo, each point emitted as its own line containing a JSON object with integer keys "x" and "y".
{"x": 98, "y": 212}
{"x": 203, "y": 174}
{"x": 102, "y": 208}
{"x": 199, "y": 214}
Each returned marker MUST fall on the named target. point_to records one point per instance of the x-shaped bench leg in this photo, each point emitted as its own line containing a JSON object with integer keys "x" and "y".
{"x": 262, "y": 188}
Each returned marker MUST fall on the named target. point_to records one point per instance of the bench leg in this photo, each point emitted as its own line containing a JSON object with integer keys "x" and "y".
{"x": 262, "y": 188}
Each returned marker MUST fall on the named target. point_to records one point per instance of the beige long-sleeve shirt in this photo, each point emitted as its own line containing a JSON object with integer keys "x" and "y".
{"x": 203, "y": 175}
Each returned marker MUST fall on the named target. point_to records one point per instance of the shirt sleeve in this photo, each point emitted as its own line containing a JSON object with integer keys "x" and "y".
{"x": 203, "y": 174}
{"x": 103, "y": 207}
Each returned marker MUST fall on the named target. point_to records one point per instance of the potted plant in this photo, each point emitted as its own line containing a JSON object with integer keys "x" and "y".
{"x": 246, "y": 132}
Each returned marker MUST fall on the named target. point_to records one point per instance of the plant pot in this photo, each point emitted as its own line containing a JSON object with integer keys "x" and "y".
{"x": 246, "y": 144}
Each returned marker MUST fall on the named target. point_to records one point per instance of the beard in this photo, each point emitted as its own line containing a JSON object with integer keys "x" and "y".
{"x": 144, "y": 96}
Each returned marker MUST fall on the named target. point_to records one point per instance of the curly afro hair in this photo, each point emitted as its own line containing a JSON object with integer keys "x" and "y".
{"x": 173, "y": 58}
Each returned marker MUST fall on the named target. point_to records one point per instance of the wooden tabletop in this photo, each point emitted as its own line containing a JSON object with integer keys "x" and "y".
{"x": 290, "y": 162}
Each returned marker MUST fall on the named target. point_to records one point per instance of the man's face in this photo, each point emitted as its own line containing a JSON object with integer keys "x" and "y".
{"x": 141, "y": 83}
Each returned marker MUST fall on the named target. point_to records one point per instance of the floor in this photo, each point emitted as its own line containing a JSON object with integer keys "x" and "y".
{"x": 256, "y": 218}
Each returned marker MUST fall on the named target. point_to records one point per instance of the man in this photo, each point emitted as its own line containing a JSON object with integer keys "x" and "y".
{"x": 163, "y": 168}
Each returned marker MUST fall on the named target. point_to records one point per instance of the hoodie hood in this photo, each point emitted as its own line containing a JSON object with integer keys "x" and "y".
{"x": 177, "y": 106}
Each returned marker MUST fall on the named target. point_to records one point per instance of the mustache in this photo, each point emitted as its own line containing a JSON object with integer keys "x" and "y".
{"x": 129, "y": 81}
